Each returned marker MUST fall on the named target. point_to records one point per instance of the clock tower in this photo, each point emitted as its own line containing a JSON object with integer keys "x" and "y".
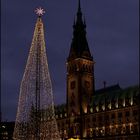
{"x": 80, "y": 70}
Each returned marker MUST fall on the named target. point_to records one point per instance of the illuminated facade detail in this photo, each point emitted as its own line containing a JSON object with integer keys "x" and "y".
{"x": 109, "y": 106}
{"x": 114, "y": 123}
{"x": 91, "y": 110}
{"x": 97, "y": 108}
{"x": 123, "y": 102}
{"x": 35, "y": 118}
{"x": 131, "y": 101}
{"x": 116, "y": 104}
{"x": 103, "y": 107}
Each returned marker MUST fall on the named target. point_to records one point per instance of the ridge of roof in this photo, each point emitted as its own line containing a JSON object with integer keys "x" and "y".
{"x": 108, "y": 89}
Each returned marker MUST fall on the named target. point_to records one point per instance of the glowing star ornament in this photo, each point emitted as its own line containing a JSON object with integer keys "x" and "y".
{"x": 39, "y": 11}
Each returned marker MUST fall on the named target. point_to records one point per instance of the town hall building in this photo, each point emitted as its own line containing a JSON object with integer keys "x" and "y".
{"x": 111, "y": 113}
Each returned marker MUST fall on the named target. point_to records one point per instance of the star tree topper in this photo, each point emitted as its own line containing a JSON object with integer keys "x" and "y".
{"x": 39, "y": 11}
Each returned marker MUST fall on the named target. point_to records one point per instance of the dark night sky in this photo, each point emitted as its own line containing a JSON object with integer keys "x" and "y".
{"x": 112, "y": 34}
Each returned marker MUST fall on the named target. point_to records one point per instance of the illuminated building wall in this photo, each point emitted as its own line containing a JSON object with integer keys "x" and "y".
{"x": 108, "y": 113}
{"x": 102, "y": 121}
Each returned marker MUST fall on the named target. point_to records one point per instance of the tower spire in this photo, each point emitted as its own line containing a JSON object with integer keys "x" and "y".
{"x": 79, "y": 46}
{"x": 79, "y": 13}
{"x": 80, "y": 77}
{"x": 79, "y": 6}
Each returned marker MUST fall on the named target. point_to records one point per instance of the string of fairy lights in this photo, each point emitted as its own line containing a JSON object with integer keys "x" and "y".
{"x": 36, "y": 104}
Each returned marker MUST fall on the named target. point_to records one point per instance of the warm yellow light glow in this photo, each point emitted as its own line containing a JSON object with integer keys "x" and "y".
{"x": 109, "y": 106}
{"x": 123, "y": 125}
{"x": 97, "y": 128}
{"x": 116, "y": 104}
{"x": 91, "y": 110}
{"x": 110, "y": 126}
{"x": 101, "y": 131}
{"x": 103, "y": 107}
{"x": 130, "y": 124}
{"x": 91, "y": 129}
{"x": 85, "y": 109}
{"x": 131, "y": 127}
{"x": 3, "y": 126}
{"x": 124, "y": 103}
{"x": 97, "y": 108}
{"x": 131, "y": 101}
{"x": 73, "y": 139}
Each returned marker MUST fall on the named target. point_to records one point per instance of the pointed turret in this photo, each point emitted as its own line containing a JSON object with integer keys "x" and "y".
{"x": 79, "y": 13}
{"x": 79, "y": 6}
{"x": 79, "y": 46}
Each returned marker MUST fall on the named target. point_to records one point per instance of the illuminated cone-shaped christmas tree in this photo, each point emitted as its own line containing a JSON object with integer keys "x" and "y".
{"x": 35, "y": 118}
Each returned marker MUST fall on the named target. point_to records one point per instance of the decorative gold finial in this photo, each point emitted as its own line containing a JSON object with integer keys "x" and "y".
{"x": 40, "y": 11}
